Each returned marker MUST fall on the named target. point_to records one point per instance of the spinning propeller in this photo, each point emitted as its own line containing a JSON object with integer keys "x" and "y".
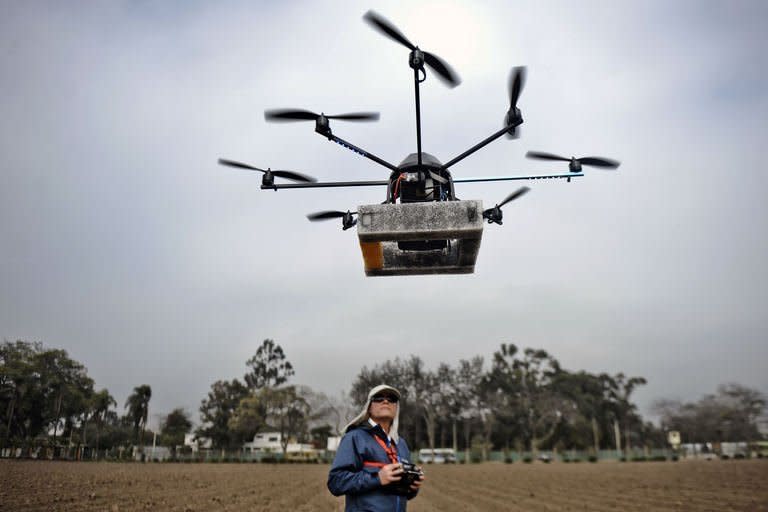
{"x": 268, "y": 180}
{"x": 418, "y": 57}
{"x": 514, "y": 118}
{"x": 347, "y": 218}
{"x": 288, "y": 115}
{"x": 495, "y": 214}
{"x": 321, "y": 120}
{"x": 576, "y": 163}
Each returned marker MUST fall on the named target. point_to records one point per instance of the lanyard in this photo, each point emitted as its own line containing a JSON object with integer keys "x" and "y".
{"x": 390, "y": 450}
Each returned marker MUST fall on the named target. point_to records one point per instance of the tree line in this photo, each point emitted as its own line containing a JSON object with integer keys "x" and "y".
{"x": 48, "y": 400}
{"x": 521, "y": 400}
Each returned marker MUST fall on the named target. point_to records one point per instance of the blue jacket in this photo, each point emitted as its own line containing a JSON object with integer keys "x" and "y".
{"x": 359, "y": 483}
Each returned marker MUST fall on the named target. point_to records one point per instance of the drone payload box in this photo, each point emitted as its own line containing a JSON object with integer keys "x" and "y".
{"x": 420, "y": 238}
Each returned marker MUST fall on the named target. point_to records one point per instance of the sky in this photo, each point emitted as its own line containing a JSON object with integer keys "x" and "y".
{"x": 123, "y": 242}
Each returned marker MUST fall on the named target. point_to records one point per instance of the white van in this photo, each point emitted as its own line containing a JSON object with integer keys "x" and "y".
{"x": 437, "y": 456}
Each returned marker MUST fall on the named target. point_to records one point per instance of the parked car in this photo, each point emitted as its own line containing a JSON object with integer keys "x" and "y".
{"x": 437, "y": 456}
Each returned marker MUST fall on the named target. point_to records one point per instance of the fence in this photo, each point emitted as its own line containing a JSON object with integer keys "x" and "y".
{"x": 162, "y": 454}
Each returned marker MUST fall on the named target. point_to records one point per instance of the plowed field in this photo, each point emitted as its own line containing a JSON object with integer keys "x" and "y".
{"x": 69, "y": 486}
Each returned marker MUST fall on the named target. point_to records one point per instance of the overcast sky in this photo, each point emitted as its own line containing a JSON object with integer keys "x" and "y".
{"x": 123, "y": 242}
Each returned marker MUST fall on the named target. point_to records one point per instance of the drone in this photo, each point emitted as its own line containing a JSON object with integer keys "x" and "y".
{"x": 421, "y": 227}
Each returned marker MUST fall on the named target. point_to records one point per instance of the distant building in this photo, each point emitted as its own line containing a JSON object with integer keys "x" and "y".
{"x": 270, "y": 442}
{"x": 197, "y": 444}
{"x": 333, "y": 443}
{"x": 151, "y": 453}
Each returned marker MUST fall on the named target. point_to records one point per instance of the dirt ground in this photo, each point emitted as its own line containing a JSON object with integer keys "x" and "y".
{"x": 112, "y": 487}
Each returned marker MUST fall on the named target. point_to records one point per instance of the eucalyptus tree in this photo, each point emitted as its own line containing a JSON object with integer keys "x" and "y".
{"x": 452, "y": 402}
{"x": 623, "y": 388}
{"x": 268, "y": 367}
{"x": 527, "y": 380}
{"x": 467, "y": 392}
{"x": 287, "y": 411}
{"x": 588, "y": 403}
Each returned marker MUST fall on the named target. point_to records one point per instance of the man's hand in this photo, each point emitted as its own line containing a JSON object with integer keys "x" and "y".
{"x": 390, "y": 473}
{"x": 417, "y": 483}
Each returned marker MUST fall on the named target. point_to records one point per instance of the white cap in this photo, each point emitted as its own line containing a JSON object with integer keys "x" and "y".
{"x": 364, "y": 416}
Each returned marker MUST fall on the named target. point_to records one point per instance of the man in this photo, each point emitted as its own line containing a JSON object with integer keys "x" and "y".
{"x": 368, "y": 466}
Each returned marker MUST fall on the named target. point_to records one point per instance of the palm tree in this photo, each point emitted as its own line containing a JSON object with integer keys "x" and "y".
{"x": 100, "y": 404}
{"x": 138, "y": 410}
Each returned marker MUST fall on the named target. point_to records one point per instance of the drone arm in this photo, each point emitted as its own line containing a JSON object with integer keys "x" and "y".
{"x": 567, "y": 176}
{"x": 361, "y": 152}
{"x": 477, "y": 146}
{"x": 326, "y": 184}
{"x": 418, "y": 115}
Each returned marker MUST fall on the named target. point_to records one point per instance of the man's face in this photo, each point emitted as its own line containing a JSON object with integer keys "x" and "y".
{"x": 383, "y": 407}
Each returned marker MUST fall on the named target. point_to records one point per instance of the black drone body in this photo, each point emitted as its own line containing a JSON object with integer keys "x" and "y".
{"x": 420, "y": 177}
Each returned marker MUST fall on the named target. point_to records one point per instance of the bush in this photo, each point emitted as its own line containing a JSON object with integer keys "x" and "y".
{"x": 639, "y": 458}
{"x": 739, "y": 456}
{"x": 724, "y": 457}
{"x": 527, "y": 459}
{"x": 508, "y": 460}
{"x": 567, "y": 460}
{"x": 675, "y": 458}
{"x": 592, "y": 458}
{"x": 659, "y": 458}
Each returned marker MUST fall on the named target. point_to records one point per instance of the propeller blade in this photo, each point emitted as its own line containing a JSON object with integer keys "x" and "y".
{"x": 290, "y": 175}
{"x": 386, "y": 27}
{"x": 288, "y": 114}
{"x": 599, "y": 162}
{"x": 357, "y": 116}
{"x": 545, "y": 156}
{"x": 328, "y": 214}
{"x": 516, "y": 83}
{"x": 514, "y": 195}
{"x": 443, "y": 70}
{"x": 295, "y": 176}
{"x": 232, "y": 163}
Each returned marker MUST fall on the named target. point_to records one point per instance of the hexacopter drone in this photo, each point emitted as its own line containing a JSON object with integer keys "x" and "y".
{"x": 421, "y": 227}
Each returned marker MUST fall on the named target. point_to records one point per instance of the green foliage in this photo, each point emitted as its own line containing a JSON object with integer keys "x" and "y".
{"x": 286, "y": 411}
{"x": 217, "y": 409}
{"x": 138, "y": 411}
{"x": 249, "y": 417}
{"x": 40, "y": 391}
{"x": 175, "y": 426}
{"x": 269, "y": 367}
{"x": 729, "y": 415}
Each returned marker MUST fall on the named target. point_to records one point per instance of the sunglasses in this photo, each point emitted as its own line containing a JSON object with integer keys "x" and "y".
{"x": 388, "y": 398}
